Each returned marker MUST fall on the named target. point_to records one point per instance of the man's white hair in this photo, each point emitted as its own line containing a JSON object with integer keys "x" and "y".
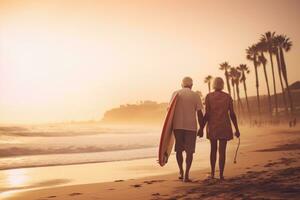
{"x": 187, "y": 82}
{"x": 218, "y": 83}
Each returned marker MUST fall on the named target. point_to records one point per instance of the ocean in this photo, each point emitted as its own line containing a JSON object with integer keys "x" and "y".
{"x": 64, "y": 144}
{"x": 43, "y": 156}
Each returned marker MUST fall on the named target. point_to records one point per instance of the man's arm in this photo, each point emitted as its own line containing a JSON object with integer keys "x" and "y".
{"x": 200, "y": 121}
{"x": 234, "y": 120}
{"x": 200, "y": 116}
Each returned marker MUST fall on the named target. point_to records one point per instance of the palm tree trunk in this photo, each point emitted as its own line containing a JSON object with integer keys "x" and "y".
{"x": 281, "y": 83}
{"x": 234, "y": 96}
{"x": 240, "y": 104}
{"x": 208, "y": 87}
{"x": 268, "y": 87}
{"x": 257, "y": 88}
{"x": 246, "y": 96}
{"x": 274, "y": 83}
{"x": 227, "y": 82}
{"x": 284, "y": 73}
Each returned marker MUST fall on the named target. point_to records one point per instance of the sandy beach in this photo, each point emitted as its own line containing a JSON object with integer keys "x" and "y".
{"x": 268, "y": 167}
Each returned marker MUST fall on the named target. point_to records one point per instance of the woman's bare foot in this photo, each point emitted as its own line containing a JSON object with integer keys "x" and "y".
{"x": 181, "y": 175}
{"x": 187, "y": 180}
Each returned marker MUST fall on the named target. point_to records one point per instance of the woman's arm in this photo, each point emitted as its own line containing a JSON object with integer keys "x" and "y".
{"x": 204, "y": 118}
{"x": 207, "y": 110}
{"x": 233, "y": 118}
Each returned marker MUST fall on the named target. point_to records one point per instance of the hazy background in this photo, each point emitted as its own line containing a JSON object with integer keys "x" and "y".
{"x": 66, "y": 60}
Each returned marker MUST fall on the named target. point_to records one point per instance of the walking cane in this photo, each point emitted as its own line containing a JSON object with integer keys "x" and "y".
{"x": 237, "y": 149}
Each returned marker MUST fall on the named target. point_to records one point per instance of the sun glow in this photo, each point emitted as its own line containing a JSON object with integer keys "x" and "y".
{"x": 13, "y": 179}
{"x": 16, "y": 178}
{"x": 66, "y": 60}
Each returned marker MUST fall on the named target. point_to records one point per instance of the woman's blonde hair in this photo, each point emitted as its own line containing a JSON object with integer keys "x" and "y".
{"x": 218, "y": 83}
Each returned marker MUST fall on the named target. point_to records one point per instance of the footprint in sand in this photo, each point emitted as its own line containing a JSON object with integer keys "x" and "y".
{"x": 270, "y": 164}
{"x": 153, "y": 181}
{"x": 136, "y": 185}
{"x": 155, "y": 194}
{"x": 119, "y": 181}
{"x": 51, "y": 197}
{"x": 75, "y": 194}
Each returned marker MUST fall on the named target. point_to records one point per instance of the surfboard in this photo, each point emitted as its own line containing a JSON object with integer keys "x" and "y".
{"x": 167, "y": 135}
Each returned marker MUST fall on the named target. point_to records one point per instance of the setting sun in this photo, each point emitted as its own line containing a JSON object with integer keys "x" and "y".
{"x": 62, "y": 60}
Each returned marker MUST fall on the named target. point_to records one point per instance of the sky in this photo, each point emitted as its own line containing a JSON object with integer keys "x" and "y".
{"x": 63, "y": 60}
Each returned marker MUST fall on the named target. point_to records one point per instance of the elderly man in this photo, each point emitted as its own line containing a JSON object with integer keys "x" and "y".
{"x": 185, "y": 125}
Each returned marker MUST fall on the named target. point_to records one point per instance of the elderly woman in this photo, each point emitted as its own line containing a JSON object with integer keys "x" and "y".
{"x": 219, "y": 111}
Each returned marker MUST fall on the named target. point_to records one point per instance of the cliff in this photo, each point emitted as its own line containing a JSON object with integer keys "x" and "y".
{"x": 143, "y": 112}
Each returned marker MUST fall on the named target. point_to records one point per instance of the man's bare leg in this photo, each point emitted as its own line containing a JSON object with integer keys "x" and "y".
{"x": 189, "y": 160}
{"x": 179, "y": 159}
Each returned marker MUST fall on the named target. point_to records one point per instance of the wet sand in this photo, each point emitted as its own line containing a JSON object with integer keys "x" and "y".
{"x": 268, "y": 167}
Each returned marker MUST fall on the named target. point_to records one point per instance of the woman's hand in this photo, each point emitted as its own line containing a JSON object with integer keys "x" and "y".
{"x": 237, "y": 133}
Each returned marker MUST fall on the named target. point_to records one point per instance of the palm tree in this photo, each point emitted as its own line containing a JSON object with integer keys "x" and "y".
{"x": 268, "y": 39}
{"x": 237, "y": 84}
{"x": 244, "y": 70}
{"x": 252, "y": 54}
{"x": 235, "y": 76}
{"x": 231, "y": 76}
{"x": 262, "y": 47}
{"x": 285, "y": 45}
{"x": 277, "y": 42}
{"x": 225, "y": 66}
{"x": 208, "y": 80}
{"x": 235, "y": 80}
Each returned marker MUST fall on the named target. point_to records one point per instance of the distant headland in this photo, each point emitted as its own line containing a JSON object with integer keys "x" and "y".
{"x": 143, "y": 112}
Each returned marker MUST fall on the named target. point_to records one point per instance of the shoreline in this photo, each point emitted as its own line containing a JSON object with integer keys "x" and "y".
{"x": 75, "y": 163}
{"x": 273, "y": 149}
{"x": 70, "y": 164}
